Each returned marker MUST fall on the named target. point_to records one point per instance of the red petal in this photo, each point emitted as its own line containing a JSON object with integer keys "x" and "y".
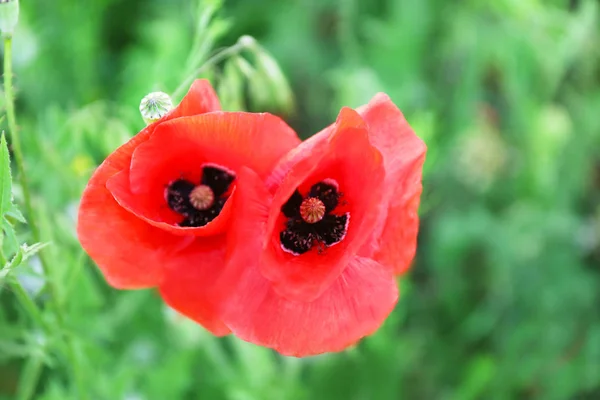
{"x": 200, "y": 99}
{"x": 189, "y": 281}
{"x": 391, "y": 134}
{"x": 250, "y": 209}
{"x": 347, "y": 157}
{"x": 159, "y": 215}
{"x": 394, "y": 243}
{"x": 398, "y": 242}
{"x": 230, "y": 139}
{"x": 315, "y": 145}
{"x": 180, "y": 147}
{"x": 127, "y": 250}
{"x": 354, "y": 305}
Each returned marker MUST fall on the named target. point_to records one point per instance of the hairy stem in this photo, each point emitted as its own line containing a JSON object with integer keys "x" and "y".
{"x": 30, "y": 214}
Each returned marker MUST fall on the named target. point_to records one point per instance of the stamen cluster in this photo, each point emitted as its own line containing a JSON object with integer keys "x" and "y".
{"x": 200, "y": 204}
{"x": 311, "y": 220}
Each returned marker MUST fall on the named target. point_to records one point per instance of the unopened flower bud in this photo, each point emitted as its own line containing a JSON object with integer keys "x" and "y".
{"x": 155, "y": 106}
{"x": 280, "y": 91}
{"x": 9, "y": 15}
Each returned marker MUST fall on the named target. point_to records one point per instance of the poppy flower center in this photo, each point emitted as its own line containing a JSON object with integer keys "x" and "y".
{"x": 311, "y": 221}
{"x": 312, "y": 210}
{"x": 200, "y": 203}
{"x": 202, "y": 197}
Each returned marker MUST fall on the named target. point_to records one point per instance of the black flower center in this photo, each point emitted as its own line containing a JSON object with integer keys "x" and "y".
{"x": 200, "y": 203}
{"x": 311, "y": 221}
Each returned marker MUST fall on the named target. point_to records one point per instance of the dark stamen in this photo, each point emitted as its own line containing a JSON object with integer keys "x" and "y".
{"x": 178, "y": 196}
{"x": 292, "y": 207}
{"x": 327, "y": 193}
{"x": 332, "y": 228}
{"x": 298, "y": 238}
{"x": 310, "y": 220}
{"x": 218, "y": 179}
{"x": 200, "y": 204}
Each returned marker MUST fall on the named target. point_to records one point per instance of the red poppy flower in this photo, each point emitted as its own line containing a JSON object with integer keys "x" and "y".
{"x": 155, "y": 212}
{"x": 310, "y": 264}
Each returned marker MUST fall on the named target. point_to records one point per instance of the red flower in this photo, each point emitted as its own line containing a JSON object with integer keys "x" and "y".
{"x": 156, "y": 210}
{"x": 313, "y": 252}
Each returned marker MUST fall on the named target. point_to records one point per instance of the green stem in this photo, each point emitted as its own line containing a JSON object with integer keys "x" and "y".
{"x": 35, "y": 231}
{"x": 30, "y": 377}
{"x": 217, "y": 58}
{"x": 29, "y": 305}
{"x": 25, "y": 300}
{"x": 14, "y": 135}
{"x": 16, "y": 145}
{"x": 33, "y": 368}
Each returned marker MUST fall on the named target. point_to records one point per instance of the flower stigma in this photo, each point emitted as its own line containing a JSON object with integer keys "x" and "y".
{"x": 202, "y": 197}
{"x": 312, "y": 210}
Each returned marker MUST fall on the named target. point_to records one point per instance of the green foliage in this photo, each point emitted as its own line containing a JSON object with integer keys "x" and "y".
{"x": 502, "y": 301}
{"x": 8, "y": 210}
{"x": 10, "y": 213}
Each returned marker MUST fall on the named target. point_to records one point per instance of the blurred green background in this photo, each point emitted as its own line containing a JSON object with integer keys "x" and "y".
{"x": 503, "y": 301}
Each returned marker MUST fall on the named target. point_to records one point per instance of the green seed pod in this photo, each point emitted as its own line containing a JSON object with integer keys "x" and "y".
{"x": 9, "y": 15}
{"x": 154, "y": 106}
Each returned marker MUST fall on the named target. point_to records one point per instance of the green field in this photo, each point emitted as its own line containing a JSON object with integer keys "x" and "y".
{"x": 503, "y": 299}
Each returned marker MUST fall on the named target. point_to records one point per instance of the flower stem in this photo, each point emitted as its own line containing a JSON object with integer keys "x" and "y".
{"x": 31, "y": 376}
{"x": 30, "y": 214}
{"x": 18, "y": 154}
{"x": 25, "y": 300}
{"x": 217, "y": 58}
{"x": 14, "y": 135}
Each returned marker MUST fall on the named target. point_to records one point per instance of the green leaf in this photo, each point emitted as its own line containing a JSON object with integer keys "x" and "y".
{"x": 28, "y": 251}
{"x": 24, "y": 252}
{"x": 10, "y": 235}
{"x": 16, "y": 214}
